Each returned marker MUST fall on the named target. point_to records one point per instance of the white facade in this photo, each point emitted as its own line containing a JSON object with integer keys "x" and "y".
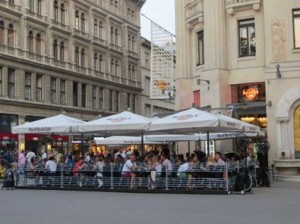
{"x": 267, "y": 62}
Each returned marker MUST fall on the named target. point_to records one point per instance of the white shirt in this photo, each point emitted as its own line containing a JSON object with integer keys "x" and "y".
{"x": 220, "y": 162}
{"x": 44, "y": 155}
{"x": 128, "y": 165}
{"x": 50, "y": 166}
{"x": 29, "y": 156}
{"x": 167, "y": 163}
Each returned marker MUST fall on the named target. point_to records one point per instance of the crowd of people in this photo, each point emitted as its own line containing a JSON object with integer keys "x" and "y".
{"x": 132, "y": 164}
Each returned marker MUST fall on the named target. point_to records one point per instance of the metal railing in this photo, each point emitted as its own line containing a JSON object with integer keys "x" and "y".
{"x": 213, "y": 178}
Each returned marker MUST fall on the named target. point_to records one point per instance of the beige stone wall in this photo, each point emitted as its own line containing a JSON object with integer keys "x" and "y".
{"x": 223, "y": 67}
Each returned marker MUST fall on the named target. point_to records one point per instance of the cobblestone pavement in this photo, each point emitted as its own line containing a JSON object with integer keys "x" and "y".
{"x": 277, "y": 205}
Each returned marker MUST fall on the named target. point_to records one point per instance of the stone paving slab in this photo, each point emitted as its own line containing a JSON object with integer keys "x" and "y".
{"x": 277, "y": 205}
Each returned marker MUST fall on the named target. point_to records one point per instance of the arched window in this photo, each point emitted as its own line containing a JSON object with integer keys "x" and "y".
{"x": 62, "y": 51}
{"x": 10, "y": 35}
{"x": 82, "y": 22}
{"x": 82, "y": 58}
{"x": 297, "y": 131}
{"x": 38, "y": 44}
{"x": 55, "y": 11}
{"x": 55, "y": 50}
{"x": 132, "y": 44}
{"x": 77, "y": 56}
{"x": 129, "y": 72}
{"x": 62, "y": 13}
{"x": 77, "y": 20}
{"x": 129, "y": 42}
{"x": 2, "y": 32}
{"x": 30, "y": 41}
{"x": 133, "y": 73}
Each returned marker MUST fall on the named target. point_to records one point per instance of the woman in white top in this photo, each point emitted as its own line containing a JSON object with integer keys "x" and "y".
{"x": 98, "y": 167}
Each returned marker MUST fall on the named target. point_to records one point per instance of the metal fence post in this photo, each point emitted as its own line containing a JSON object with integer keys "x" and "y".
{"x": 167, "y": 184}
{"x": 226, "y": 173}
{"x": 111, "y": 176}
{"x": 61, "y": 176}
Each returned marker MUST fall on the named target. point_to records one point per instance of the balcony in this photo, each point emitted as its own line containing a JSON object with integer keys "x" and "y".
{"x": 60, "y": 26}
{"x": 98, "y": 74}
{"x": 133, "y": 54}
{"x": 233, "y": 6}
{"x": 34, "y": 57}
{"x": 193, "y": 11}
{"x": 115, "y": 47}
{"x": 80, "y": 69}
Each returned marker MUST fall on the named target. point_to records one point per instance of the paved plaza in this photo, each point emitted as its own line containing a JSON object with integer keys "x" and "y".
{"x": 277, "y": 205}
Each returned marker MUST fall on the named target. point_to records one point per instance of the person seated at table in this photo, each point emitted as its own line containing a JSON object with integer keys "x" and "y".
{"x": 31, "y": 167}
{"x": 155, "y": 169}
{"x": 167, "y": 163}
{"x": 98, "y": 167}
{"x": 210, "y": 162}
{"x": 129, "y": 170}
{"x": 193, "y": 171}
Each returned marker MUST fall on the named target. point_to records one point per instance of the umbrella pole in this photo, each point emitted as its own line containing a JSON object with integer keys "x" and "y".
{"x": 207, "y": 143}
{"x": 142, "y": 144}
{"x": 81, "y": 145}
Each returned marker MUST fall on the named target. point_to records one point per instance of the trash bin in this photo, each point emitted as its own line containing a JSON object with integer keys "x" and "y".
{"x": 9, "y": 180}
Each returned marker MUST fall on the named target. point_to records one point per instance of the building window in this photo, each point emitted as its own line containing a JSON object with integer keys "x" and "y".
{"x": 100, "y": 62}
{"x": 1, "y": 81}
{"x": 30, "y": 41}
{"x": 62, "y": 91}
{"x": 129, "y": 72}
{"x": 133, "y": 44}
{"x": 197, "y": 98}
{"x": 94, "y": 96}
{"x": 296, "y": 19}
{"x": 128, "y": 101}
{"x": 95, "y": 61}
{"x": 200, "y": 48}
{"x": 39, "y": 7}
{"x": 117, "y": 67}
{"x": 116, "y": 107}
{"x": 27, "y": 86}
{"x": 8, "y": 121}
{"x": 82, "y": 58}
{"x": 55, "y": 11}
{"x": 247, "y": 45}
{"x": 110, "y": 100}
{"x": 75, "y": 94}
{"x": 100, "y": 29}
{"x": 39, "y": 88}
{"x": 100, "y": 98}
{"x": 11, "y": 83}
{"x": 116, "y": 37}
{"x": 77, "y": 20}
{"x": 62, "y": 13}
{"x": 53, "y": 90}
{"x": 133, "y": 73}
{"x": 95, "y": 28}
{"x": 55, "y": 50}
{"x": 2, "y": 33}
{"x": 10, "y": 35}
{"x": 77, "y": 56}
{"x": 133, "y": 103}
{"x": 38, "y": 44}
{"x": 83, "y": 95}
{"x": 82, "y": 22}
{"x": 112, "y": 66}
{"x": 62, "y": 51}
{"x": 297, "y": 132}
{"x": 31, "y": 5}
{"x": 147, "y": 86}
{"x": 111, "y": 34}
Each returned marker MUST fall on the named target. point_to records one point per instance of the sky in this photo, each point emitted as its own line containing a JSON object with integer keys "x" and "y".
{"x": 161, "y": 12}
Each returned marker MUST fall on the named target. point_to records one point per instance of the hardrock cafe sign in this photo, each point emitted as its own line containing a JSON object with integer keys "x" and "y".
{"x": 41, "y": 129}
{"x": 118, "y": 119}
{"x": 250, "y": 93}
{"x": 185, "y": 117}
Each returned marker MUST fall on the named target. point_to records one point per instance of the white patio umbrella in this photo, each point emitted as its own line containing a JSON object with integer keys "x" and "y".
{"x": 194, "y": 121}
{"x": 117, "y": 124}
{"x": 60, "y": 124}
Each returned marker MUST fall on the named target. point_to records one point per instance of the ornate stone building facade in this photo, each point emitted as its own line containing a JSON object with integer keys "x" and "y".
{"x": 245, "y": 55}
{"x": 81, "y": 57}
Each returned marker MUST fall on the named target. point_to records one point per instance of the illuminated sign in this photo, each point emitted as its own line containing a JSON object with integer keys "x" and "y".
{"x": 251, "y": 93}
